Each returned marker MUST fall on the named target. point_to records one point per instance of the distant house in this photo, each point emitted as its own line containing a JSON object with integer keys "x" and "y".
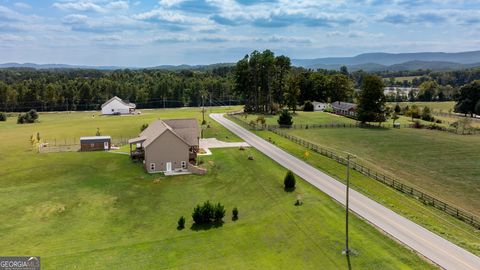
{"x": 344, "y": 108}
{"x": 116, "y": 106}
{"x": 167, "y": 145}
{"x": 319, "y": 106}
{"x": 95, "y": 143}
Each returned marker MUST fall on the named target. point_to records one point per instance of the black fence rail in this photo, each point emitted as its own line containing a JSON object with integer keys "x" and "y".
{"x": 380, "y": 177}
{"x": 433, "y": 126}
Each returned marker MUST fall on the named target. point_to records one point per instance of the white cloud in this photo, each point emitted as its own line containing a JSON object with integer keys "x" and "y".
{"x": 22, "y": 5}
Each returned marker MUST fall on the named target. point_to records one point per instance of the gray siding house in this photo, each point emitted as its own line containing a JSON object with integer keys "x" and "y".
{"x": 167, "y": 145}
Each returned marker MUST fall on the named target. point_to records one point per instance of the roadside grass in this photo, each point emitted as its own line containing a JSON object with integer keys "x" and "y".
{"x": 435, "y": 220}
{"x": 98, "y": 210}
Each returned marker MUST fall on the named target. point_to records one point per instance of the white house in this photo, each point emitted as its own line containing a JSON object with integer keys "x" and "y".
{"x": 319, "y": 106}
{"x": 117, "y": 106}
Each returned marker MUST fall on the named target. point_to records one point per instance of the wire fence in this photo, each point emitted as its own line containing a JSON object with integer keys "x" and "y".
{"x": 54, "y": 145}
{"x": 380, "y": 177}
{"x": 458, "y": 131}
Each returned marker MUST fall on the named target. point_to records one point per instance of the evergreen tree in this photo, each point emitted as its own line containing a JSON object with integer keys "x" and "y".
{"x": 371, "y": 100}
{"x": 285, "y": 118}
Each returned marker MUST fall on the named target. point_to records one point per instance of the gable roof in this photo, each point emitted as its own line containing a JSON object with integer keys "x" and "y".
{"x": 185, "y": 129}
{"x": 343, "y": 105}
{"x": 120, "y": 100}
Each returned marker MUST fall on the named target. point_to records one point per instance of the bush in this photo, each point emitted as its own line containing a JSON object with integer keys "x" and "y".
{"x": 208, "y": 213}
{"x": 143, "y": 127}
{"x": 181, "y": 223}
{"x": 29, "y": 117}
{"x": 285, "y": 118}
{"x": 417, "y": 124}
{"x": 289, "y": 181}
{"x": 426, "y": 115}
{"x": 308, "y": 107}
{"x": 218, "y": 213}
{"x": 3, "y": 116}
{"x": 235, "y": 213}
{"x": 274, "y": 108}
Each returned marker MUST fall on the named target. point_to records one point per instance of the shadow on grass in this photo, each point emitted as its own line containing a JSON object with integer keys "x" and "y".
{"x": 207, "y": 226}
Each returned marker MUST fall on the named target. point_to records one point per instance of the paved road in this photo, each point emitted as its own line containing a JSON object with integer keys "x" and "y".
{"x": 440, "y": 251}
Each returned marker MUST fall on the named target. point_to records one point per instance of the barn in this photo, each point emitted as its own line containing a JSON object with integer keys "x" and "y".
{"x": 95, "y": 143}
{"x": 115, "y": 106}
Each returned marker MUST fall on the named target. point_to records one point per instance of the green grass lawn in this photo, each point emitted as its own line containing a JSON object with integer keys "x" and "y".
{"x": 99, "y": 210}
{"x": 301, "y": 117}
{"x": 440, "y": 163}
{"x": 443, "y": 106}
{"x": 429, "y": 217}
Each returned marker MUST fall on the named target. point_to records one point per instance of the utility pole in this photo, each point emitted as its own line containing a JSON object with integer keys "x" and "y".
{"x": 347, "y": 250}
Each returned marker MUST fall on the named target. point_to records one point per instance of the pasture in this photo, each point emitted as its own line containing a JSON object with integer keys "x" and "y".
{"x": 99, "y": 210}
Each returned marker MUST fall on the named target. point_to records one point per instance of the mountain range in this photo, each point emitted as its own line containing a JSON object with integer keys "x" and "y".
{"x": 396, "y": 62}
{"x": 437, "y": 61}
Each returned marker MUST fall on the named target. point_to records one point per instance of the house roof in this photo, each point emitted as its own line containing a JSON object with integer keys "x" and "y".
{"x": 93, "y": 138}
{"x": 185, "y": 129}
{"x": 120, "y": 100}
{"x": 343, "y": 105}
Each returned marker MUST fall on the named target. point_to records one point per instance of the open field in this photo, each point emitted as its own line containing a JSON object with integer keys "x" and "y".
{"x": 433, "y": 219}
{"x": 101, "y": 211}
{"x": 438, "y": 162}
{"x": 301, "y": 117}
{"x": 444, "y": 106}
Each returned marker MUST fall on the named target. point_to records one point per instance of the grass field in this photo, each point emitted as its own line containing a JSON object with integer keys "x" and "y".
{"x": 444, "y": 106}
{"x": 101, "y": 211}
{"x": 431, "y": 218}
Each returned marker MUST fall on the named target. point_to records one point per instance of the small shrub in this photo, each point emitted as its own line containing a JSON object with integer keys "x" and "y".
{"x": 143, "y": 127}
{"x": 3, "y": 116}
{"x": 417, "y": 124}
{"x": 27, "y": 118}
{"x": 438, "y": 121}
{"x": 289, "y": 181}
{"x": 274, "y": 108}
{"x": 218, "y": 213}
{"x": 285, "y": 118}
{"x": 204, "y": 122}
{"x": 235, "y": 213}
{"x": 181, "y": 223}
{"x": 308, "y": 107}
{"x": 98, "y": 132}
{"x": 208, "y": 213}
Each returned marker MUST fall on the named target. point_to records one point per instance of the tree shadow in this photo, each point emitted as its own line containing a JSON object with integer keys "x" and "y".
{"x": 206, "y": 226}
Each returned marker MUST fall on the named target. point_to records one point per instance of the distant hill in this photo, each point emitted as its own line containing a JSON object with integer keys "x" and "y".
{"x": 396, "y": 62}
{"x": 163, "y": 67}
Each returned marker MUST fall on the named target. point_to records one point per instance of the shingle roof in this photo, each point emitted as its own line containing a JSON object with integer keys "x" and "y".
{"x": 185, "y": 129}
{"x": 343, "y": 105}
{"x": 119, "y": 99}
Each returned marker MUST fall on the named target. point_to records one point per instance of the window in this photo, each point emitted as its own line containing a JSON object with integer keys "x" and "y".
{"x": 92, "y": 145}
{"x": 152, "y": 167}
{"x": 184, "y": 164}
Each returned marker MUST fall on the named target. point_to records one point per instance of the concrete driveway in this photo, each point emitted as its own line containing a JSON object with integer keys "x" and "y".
{"x": 440, "y": 251}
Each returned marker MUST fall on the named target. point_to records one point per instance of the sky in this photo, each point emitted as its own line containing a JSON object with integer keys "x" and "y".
{"x": 145, "y": 33}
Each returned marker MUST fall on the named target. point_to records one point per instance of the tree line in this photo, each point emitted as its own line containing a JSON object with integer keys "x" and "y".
{"x": 56, "y": 90}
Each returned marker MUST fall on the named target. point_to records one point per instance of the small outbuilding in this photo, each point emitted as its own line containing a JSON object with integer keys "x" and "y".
{"x": 95, "y": 143}
{"x": 116, "y": 106}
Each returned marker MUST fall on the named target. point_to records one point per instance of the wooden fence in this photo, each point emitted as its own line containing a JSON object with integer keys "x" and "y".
{"x": 380, "y": 177}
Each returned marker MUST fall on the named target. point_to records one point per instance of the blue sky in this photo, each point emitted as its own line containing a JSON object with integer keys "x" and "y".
{"x": 147, "y": 33}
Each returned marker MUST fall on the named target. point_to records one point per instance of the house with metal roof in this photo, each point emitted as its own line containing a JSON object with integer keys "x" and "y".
{"x": 116, "y": 106}
{"x": 344, "y": 108}
{"x": 167, "y": 145}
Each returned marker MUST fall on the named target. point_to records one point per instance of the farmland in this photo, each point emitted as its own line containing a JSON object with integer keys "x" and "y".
{"x": 437, "y": 162}
{"x": 101, "y": 211}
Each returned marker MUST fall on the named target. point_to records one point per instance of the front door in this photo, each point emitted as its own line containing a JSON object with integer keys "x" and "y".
{"x": 105, "y": 145}
{"x": 169, "y": 166}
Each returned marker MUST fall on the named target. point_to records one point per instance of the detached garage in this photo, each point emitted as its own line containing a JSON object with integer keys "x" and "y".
{"x": 95, "y": 143}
